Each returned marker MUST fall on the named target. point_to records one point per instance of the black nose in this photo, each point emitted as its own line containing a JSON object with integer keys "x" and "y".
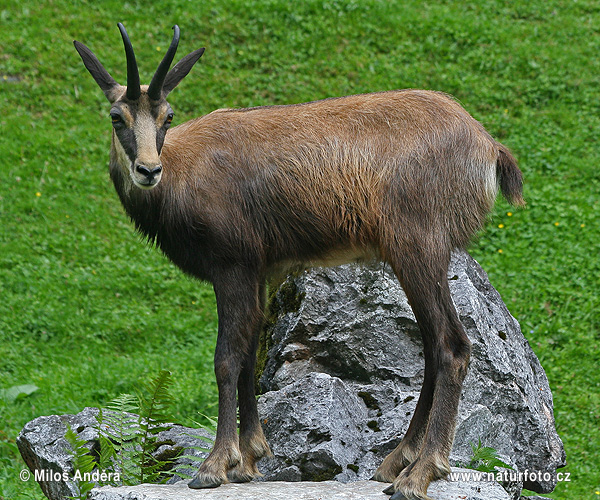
{"x": 149, "y": 173}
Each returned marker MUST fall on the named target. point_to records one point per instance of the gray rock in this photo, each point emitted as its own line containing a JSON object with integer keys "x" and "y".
{"x": 43, "y": 447}
{"x": 330, "y": 432}
{"x": 327, "y": 490}
{"x": 354, "y": 325}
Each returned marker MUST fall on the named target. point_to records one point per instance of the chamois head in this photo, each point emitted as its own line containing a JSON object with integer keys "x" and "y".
{"x": 140, "y": 114}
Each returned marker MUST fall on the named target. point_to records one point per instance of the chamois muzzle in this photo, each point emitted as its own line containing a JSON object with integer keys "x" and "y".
{"x": 146, "y": 177}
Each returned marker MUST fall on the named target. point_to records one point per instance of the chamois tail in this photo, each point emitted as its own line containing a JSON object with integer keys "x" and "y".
{"x": 510, "y": 177}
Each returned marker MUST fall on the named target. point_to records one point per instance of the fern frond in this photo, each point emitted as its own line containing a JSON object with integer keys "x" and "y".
{"x": 124, "y": 403}
{"x": 129, "y": 427}
{"x": 181, "y": 474}
{"x": 155, "y": 405}
{"x": 118, "y": 424}
{"x": 485, "y": 459}
{"x": 212, "y": 429}
{"x": 193, "y": 458}
{"x": 106, "y": 459}
{"x": 155, "y": 416}
{"x": 83, "y": 461}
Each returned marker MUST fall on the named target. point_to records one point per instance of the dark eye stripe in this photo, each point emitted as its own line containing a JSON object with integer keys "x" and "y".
{"x": 126, "y": 137}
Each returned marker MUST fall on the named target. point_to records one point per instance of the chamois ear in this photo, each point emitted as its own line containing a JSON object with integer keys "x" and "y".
{"x": 180, "y": 70}
{"x": 93, "y": 65}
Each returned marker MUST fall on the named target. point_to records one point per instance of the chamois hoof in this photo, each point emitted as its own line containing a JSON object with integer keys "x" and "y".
{"x": 199, "y": 483}
{"x": 384, "y": 478}
{"x": 399, "y": 495}
{"x": 389, "y": 490}
{"x": 402, "y": 496}
{"x": 241, "y": 477}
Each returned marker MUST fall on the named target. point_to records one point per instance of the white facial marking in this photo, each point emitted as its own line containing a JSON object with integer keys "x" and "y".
{"x": 145, "y": 132}
{"x": 145, "y": 136}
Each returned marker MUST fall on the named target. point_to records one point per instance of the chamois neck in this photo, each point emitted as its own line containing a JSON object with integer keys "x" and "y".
{"x": 142, "y": 206}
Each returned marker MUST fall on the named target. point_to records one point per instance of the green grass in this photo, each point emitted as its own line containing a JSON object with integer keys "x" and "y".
{"x": 87, "y": 310}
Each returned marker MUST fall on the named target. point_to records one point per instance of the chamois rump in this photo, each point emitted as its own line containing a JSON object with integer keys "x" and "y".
{"x": 239, "y": 195}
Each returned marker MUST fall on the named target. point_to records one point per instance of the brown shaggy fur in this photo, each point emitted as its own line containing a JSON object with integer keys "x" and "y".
{"x": 239, "y": 195}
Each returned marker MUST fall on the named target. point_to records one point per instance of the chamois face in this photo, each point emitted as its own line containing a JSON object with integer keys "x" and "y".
{"x": 140, "y": 115}
{"x": 139, "y": 130}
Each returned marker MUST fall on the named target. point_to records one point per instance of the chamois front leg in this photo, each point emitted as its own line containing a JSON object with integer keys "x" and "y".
{"x": 253, "y": 444}
{"x": 238, "y": 311}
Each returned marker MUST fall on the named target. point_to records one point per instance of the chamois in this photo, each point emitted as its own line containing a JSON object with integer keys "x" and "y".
{"x": 240, "y": 195}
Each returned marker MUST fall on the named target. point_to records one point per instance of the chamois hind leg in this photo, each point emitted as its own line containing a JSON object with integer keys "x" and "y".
{"x": 238, "y": 308}
{"x": 408, "y": 449}
{"x": 253, "y": 444}
{"x": 422, "y": 268}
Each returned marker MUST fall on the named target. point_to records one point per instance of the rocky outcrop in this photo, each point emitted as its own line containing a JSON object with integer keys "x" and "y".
{"x": 341, "y": 370}
{"x": 343, "y": 367}
{"x": 44, "y": 449}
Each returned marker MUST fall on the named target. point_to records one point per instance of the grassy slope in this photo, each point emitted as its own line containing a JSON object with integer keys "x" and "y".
{"x": 87, "y": 309}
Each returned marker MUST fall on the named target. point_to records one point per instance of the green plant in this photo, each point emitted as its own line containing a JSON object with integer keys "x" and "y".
{"x": 128, "y": 427}
{"x": 485, "y": 459}
{"x": 120, "y": 439}
{"x": 17, "y": 392}
{"x": 83, "y": 462}
{"x": 155, "y": 410}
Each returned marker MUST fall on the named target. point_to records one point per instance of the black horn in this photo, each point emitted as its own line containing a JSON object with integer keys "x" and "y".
{"x": 133, "y": 75}
{"x": 156, "y": 85}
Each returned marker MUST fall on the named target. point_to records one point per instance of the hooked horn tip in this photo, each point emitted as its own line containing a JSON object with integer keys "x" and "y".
{"x": 156, "y": 85}
{"x": 176, "y": 33}
{"x": 124, "y": 34}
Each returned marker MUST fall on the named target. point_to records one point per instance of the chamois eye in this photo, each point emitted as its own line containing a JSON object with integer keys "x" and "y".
{"x": 117, "y": 120}
{"x": 169, "y": 119}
